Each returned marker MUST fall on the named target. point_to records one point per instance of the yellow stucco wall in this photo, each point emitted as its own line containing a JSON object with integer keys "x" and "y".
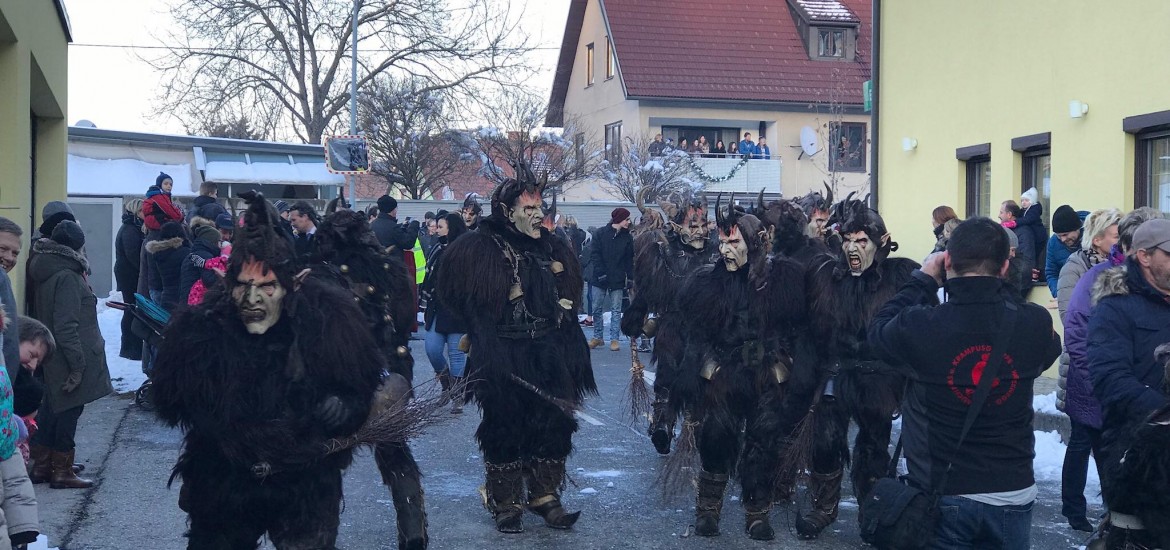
{"x": 33, "y": 73}
{"x": 957, "y": 73}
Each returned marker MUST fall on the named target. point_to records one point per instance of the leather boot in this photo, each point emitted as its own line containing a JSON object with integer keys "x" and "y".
{"x": 756, "y": 523}
{"x": 63, "y": 476}
{"x": 544, "y": 492}
{"x": 411, "y": 512}
{"x": 661, "y": 423}
{"x": 502, "y": 492}
{"x": 709, "y": 503}
{"x": 826, "y": 495}
{"x": 40, "y": 469}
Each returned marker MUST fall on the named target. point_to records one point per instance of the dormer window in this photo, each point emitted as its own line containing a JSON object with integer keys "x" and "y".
{"x": 827, "y": 27}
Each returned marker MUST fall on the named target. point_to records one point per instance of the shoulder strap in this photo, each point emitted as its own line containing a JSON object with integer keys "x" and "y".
{"x": 1008, "y": 325}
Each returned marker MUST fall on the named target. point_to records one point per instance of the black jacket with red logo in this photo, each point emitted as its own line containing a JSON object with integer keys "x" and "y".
{"x": 946, "y": 348}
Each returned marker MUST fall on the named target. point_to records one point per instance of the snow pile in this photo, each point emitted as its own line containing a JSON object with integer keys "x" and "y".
{"x": 113, "y": 177}
{"x": 42, "y": 543}
{"x": 1049, "y": 463}
{"x": 1045, "y": 404}
{"x": 125, "y": 374}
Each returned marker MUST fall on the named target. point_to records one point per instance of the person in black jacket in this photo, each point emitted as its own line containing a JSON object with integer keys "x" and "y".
{"x": 389, "y": 232}
{"x": 990, "y": 488}
{"x": 1009, "y": 215}
{"x": 205, "y": 205}
{"x": 204, "y": 246}
{"x": 166, "y": 257}
{"x": 127, "y": 262}
{"x": 304, "y": 219}
{"x": 444, "y": 330}
{"x": 613, "y": 264}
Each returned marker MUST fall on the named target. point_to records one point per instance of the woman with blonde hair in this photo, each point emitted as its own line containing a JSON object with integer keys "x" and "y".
{"x": 127, "y": 264}
{"x": 939, "y": 217}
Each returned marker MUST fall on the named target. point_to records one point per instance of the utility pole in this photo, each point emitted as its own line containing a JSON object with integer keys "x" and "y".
{"x": 353, "y": 97}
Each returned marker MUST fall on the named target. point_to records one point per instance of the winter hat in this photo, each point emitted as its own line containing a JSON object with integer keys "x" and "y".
{"x": 27, "y": 395}
{"x": 52, "y": 214}
{"x": 1030, "y": 194}
{"x": 1065, "y": 219}
{"x": 1013, "y": 240}
{"x": 207, "y": 235}
{"x": 281, "y": 206}
{"x": 224, "y": 221}
{"x": 170, "y": 230}
{"x": 387, "y": 204}
{"x": 618, "y": 215}
{"x": 68, "y": 233}
{"x": 162, "y": 176}
{"x": 1153, "y": 234}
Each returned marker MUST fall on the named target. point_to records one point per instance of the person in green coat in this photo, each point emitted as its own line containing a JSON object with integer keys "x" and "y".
{"x": 77, "y": 373}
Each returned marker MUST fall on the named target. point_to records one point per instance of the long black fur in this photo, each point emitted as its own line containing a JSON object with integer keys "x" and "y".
{"x": 1138, "y": 484}
{"x": 244, "y": 401}
{"x": 474, "y": 285}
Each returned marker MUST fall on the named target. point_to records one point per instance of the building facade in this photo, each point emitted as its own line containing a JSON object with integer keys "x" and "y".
{"x": 791, "y": 71}
{"x": 34, "y": 38}
{"x": 978, "y": 101}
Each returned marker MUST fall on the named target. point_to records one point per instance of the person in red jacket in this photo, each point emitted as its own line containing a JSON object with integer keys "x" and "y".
{"x": 158, "y": 208}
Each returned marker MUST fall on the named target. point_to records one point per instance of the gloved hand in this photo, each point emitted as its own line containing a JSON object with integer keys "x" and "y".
{"x": 196, "y": 261}
{"x": 331, "y": 412}
{"x": 71, "y": 382}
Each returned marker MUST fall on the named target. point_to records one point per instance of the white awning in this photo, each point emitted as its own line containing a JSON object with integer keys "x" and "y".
{"x": 120, "y": 177}
{"x": 309, "y": 173}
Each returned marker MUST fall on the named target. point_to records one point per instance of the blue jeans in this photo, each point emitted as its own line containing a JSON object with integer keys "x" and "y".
{"x": 434, "y": 344}
{"x": 1084, "y": 441}
{"x": 967, "y": 524}
{"x": 601, "y": 299}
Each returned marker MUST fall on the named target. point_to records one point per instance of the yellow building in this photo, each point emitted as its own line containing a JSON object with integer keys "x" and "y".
{"x": 34, "y": 35}
{"x": 977, "y": 101}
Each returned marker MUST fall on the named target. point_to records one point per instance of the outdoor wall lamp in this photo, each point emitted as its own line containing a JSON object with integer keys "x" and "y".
{"x": 909, "y": 144}
{"x": 1077, "y": 109}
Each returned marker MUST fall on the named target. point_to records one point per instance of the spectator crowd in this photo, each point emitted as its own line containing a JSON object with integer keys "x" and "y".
{"x": 701, "y": 147}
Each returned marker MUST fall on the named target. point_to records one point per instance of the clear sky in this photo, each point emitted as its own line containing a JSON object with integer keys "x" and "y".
{"x": 115, "y": 89}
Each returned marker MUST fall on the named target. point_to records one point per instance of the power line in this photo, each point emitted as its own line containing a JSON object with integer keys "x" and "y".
{"x": 133, "y": 47}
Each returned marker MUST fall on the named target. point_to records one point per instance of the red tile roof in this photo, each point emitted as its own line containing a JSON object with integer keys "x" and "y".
{"x": 704, "y": 50}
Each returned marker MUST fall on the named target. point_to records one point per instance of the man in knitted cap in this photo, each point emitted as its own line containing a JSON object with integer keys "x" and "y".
{"x": 613, "y": 266}
{"x": 53, "y": 213}
{"x": 260, "y": 397}
{"x": 1065, "y": 240}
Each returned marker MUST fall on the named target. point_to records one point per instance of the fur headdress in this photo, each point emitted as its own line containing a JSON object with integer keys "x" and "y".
{"x": 258, "y": 240}
{"x": 506, "y": 193}
{"x": 751, "y": 230}
{"x": 858, "y": 217}
{"x": 472, "y": 201}
{"x": 814, "y": 201}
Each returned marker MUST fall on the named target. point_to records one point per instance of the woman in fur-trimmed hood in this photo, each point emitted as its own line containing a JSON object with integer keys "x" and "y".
{"x": 166, "y": 257}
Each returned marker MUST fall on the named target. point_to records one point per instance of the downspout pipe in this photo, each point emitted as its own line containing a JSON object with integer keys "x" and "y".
{"x": 874, "y": 119}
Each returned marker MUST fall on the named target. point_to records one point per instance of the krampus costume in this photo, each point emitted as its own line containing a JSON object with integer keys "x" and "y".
{"x": 663, "y": 258}
{"x": 734, "y": 370}
{"x": 514, "y": 284}
{"x": 260, "y": 377}
{"x": 1139, "y": 504}
{"x": 844, "y": 293}
{"x": 382, "y": 288}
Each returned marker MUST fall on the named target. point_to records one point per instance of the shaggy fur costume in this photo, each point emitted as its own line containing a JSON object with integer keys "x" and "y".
{"x": 250, "y": 407}
{"x": 529, "y": 339}
{"x": 733, "y": 373}
{"x": 661, "y": 264}
{"x": 382, "y": 288}
{"x": 1139, "y": 487}
{"x": 836, "y": 378}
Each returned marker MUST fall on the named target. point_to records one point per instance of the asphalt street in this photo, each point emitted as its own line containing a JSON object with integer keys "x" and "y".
{"x": 613, "y": 470}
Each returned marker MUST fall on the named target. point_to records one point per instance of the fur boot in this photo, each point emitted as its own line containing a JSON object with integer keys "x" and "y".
{"x": 545, "y": 477}
{"x": 709, "y": 504}
{"x": 661, "y": 424}
{"x": 503, "y": 490}
{"x": 411, "y": 512}
{"x": 826, "y": 495}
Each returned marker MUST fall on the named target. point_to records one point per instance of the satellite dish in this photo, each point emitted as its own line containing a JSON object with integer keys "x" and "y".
{"x": 808, "y": 142}
{"x": 85, "y": 123}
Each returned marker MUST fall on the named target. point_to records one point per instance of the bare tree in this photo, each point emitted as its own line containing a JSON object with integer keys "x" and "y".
{"x": 411, "y": 145}
{"x": 295, "y": 54}
{"x": 516, "y": 133}
{"x": 629, "y": 168}
{"x": 238, "y": 127}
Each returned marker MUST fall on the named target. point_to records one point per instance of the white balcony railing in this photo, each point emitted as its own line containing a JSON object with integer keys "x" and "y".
{"x": 755, "y": 174}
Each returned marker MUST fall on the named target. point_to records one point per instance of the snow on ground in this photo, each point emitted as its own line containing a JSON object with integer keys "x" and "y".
{"x": 1049, "y": 462}
{"x": 1045, "y": 404}
{"x": 42, "y": 543}
{"x": 125, "y": 374}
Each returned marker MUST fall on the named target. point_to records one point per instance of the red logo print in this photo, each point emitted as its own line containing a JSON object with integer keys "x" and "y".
{"x": 967, "y": 370}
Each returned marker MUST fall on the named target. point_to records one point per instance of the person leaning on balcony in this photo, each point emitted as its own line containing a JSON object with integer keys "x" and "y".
{"x": 657, "y": 146}
{"x": 719, "y": 149}
{"x": 704, "y": 146}
{"x": 762, "y": 150}
{"x": 747, "y": 147}
{"x": 733, "y": 149}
